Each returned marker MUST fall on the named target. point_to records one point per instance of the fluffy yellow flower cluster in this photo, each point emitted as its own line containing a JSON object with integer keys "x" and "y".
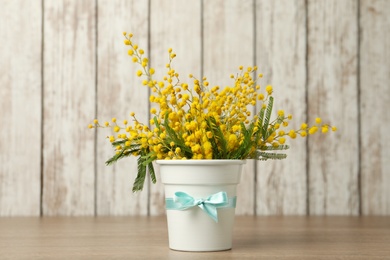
{"x": 199, "y": 121}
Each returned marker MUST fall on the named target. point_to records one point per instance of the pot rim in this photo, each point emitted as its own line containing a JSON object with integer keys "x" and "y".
{"x": 201, "y": 162}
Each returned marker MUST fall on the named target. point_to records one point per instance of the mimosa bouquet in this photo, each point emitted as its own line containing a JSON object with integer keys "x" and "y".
{"x": 197, "y": 121}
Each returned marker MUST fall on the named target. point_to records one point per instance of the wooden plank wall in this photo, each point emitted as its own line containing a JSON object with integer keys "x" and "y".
{"x": 281, "y": 56}
{"x": 63, "y": 63}
{"x": 332, "y": 92}
{"x": 20, "y": 107}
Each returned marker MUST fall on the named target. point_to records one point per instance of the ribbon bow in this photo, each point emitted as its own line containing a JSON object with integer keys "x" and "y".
{"x": 183, "y": 201}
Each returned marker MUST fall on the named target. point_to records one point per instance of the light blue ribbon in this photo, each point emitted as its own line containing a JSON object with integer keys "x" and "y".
{"x": 183, "y": 201}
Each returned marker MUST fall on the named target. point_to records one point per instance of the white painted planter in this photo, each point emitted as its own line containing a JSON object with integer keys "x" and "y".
{"x": 193, "y": 229}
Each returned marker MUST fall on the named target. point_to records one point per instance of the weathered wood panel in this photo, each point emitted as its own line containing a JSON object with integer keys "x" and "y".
{"x": 332, "y": 94}
{"x": 375, "y": 103}
{"x": 69, "y": 102}
{"x": 119, "y": 92}
{"x": 20, "y": 107}
{"x": 177, "y": 25}
{"x": 281, "y": 50}
{"x": 228, "y": 43}
{"x": 72, "y": 86}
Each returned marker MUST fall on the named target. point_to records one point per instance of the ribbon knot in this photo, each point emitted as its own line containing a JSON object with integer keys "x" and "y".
{"x": 183, "y": 201}
{"x": 199, "y": 202}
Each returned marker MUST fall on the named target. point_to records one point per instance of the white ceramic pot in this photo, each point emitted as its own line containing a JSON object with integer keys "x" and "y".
{"x": 193, "y": 229}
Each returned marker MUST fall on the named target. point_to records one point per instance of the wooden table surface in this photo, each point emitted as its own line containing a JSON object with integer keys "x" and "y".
{"x": 147, "y": 238}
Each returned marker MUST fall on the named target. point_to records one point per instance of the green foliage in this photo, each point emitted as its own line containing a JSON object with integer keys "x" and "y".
{"x": 244, "y": 149}
{"x": 140, "y": 179}
{"x": 128, "y": 151}
{"x": 264, "y": 130}
{"x": 218, "y": 141}
{"x": 260, "y": 155}
{"x": 172, "y": 136}
{"x": 145, "y": 164}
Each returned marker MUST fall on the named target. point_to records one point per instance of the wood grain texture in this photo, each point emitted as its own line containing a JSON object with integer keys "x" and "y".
{"x": 228, "y": 43}
{"x": 119, "y": 92}
{"x": 69, "y": 102}
{"x": 281, "y": 50}
{"x": 332, "y": 94}
{"x": 147, "y": 238}
{"x": 174, "y": 24}
{"x": 20, "y": 107}
{"x": 374, "y": 106}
